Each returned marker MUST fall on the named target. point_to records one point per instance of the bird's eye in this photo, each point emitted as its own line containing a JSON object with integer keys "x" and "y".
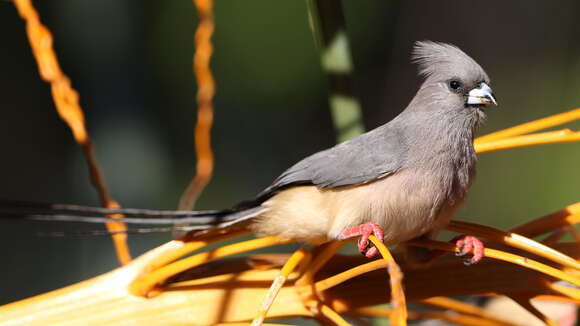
{"x": 455, "y": 85}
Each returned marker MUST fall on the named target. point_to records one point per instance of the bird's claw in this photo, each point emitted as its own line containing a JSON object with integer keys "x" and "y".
{"x": 469, "y": 245}
{"x": 365, "y": 230}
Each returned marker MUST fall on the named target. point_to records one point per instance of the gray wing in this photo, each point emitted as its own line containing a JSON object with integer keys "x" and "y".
{"x": 368, "y": 157}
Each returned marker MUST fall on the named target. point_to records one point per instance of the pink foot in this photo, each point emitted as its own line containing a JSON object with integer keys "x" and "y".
{"x": 365, "y": 230}
{"x": 469, "y": 245}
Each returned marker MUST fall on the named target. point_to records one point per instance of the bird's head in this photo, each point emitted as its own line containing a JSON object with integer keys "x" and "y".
{"x": 452, "y": 78}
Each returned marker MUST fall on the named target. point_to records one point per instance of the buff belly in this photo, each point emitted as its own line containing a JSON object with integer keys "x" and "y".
{"x": 404, "y": 206}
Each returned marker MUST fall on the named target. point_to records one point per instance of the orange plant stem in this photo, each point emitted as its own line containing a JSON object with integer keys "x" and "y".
{"x": 66, "y": 100}
{"x": 145, "y": 284}
{"x": 570, "y": 292}
{"x": 298, "y": 257}
{"x": 460, "y": 307}
{"x": 318, "y": 262}
{"x": 524, "y": 302}
{"x": 335, "y": 280}
{"x": 515, "y": 240}
{"x": 398, "y": 302}
{"x": 505, "y": 256}
{"x": 455, "y": 318}
{"x": 559, "y": 136}
{"x": 327, "y": 312}
{"x": 205, "y": 93}
{"x": 570, "y": 215}
{"x": 551, "y": 121}
{"x": 186, "y": 247}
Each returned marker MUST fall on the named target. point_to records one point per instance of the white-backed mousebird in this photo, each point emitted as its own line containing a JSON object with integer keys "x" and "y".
{"x": 399, "y": 181}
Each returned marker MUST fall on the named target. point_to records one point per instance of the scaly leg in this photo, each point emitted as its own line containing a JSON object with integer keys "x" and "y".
{"x": 364, "y": 230}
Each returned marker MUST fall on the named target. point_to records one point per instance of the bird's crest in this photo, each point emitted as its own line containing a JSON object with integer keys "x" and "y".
{"x": 434, "y": 57}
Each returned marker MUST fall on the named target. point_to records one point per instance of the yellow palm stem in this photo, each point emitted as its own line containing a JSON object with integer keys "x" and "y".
{"x": 526, "y": 128}
{"x": 327, "y": 312}
{"x": 456, "y": 318}
{"x": 514, "y": 240}
{"x": 399, "y": 315}
{"x": 318, "y": 262}
{"x": 568, "y": 291}
{"x": 524, "y": 302}
{"x": 298, "y": 257}
{"x": 143, "y": 285}
{"x": 570, "y": 215}
{"x": 334, "y": 280}
{"x": 460, "y": 307}
{"x": 550, "y": 137}
{"x": 188, "y": 246}
{"x": 505, "y": 256}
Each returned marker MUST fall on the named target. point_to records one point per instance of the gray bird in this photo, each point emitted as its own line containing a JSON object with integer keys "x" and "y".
{"x": 399, "y": 181}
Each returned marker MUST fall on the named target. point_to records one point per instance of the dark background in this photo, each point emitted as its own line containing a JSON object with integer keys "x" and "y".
{"x": 131, "y": 62}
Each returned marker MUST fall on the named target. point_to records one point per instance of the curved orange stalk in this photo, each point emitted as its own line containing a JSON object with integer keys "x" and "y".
{"x": 568, "y": 291}
{"x": 515, "y": 240}
{"x": 461, "y": 307}
{"x": 335, "y": 280}
{"x": 554, "y": 237}
{"x": 329, "y": 250}
{"x": 66, "y": 100}
{"x": 550, "y": 137}
{"x": 205, "y": 93}
{"x": 145, "y": 284}
{"x": 245, "y": 276}
{"x": 524, "y": 302}
{"x": 570, "y": 215}
{"x": 297, "y": 258}
{"x": 116, "y": 228}
{"x": 505, "y": 256}
{"x": 556, "y": 298}
{"x": 456, "y": 318}
{"x": 572, "y": 230}
{"x": 188, "y": 247}
{"x": 327, "y": 312}
{"x": 452, "y": 304}
{"x": 551, "y": 121}
{"x": 399, "y": 315}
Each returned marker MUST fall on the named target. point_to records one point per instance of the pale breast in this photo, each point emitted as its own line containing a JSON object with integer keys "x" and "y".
{"x": 406, "y": 205}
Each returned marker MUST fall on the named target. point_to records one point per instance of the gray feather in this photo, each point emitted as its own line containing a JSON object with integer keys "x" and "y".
{"x": 368, "y": 157}
{"x": 86, "y": 214}
{"x": 436, "y": 59}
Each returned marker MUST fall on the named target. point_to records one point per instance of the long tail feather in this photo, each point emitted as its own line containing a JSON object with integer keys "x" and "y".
{"x": 127, "y": 231}
{"x": 212, "y": 220}
{"x": 200, "y": 220}
{"x": 40, "y": 207}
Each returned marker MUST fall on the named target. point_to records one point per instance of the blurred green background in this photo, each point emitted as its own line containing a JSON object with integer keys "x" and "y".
{"x": 131, "y": 62}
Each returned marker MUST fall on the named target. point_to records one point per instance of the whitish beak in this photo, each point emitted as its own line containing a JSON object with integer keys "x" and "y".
{"x": 482, "y": 94}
